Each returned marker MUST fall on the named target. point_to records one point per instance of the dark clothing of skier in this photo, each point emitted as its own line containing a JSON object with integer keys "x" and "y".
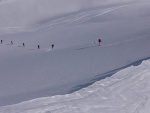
{"x": 38, "y": 46}
{"x": 99, "y": 41}
{"x": 1, "y": 41}
{"x": 52, "y": 46}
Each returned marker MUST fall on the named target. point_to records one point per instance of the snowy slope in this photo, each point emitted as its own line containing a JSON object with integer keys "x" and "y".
{"x": 125, "y": 92}
{"x": 27, "y": 73}
{"x": 21, "y": 13}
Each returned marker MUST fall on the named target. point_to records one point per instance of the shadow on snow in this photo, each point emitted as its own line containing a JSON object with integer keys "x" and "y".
{"x": 14, "y": 99}
{"x": 104, "y": 75}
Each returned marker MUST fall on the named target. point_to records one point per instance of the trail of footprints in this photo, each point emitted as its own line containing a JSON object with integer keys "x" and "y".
{"x": 24, "y": 45}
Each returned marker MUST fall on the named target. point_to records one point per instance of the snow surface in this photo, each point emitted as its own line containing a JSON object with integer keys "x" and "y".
{"x": 125, "y": 92}
{"x": 21, "y": 13}
{"x": 27, "y": 73}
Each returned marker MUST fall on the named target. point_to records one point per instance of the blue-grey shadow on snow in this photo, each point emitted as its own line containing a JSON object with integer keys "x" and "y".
{"x": 46, "y": 92}
{"x": 104, "y": 75}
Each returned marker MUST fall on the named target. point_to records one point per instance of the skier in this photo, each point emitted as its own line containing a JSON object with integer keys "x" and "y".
{"x": 99, "y": 41}
{"x": 38, "y": 46}
{"x": 1, "y": 41}
{"x": 12, "y": 42}
{"x": 23, "y": 44}
{"x": 52, "y": 46}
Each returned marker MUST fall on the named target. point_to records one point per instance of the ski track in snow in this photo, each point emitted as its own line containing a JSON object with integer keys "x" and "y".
{"x": 125, "y": 92}
{"x": 74, "y": 48}
{"x": 64, "y": 21}
{"x": 111, "y": 44}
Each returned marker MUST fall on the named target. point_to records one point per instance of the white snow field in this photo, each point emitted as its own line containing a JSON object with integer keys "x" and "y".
{"x": 27, "y": 73}
{"x": 125, "y": 92}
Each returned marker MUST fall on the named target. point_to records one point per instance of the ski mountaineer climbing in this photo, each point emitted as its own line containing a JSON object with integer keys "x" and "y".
{"x": 99, "y": 41}
{"x": 11, "y": 42}
{"x": 38, "y": 46}
{"x": 23, "y": 44}
{"x": 52, "y": 46}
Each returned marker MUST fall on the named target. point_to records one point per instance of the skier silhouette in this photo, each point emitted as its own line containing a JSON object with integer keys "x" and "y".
{"x": 52, "y": 46}
{"x": 23, "y": 44}
{"x": 12, "y": 42}
{"x": 1, "y": 41}
{"x": 38, "y": 46}
{"x": 99, "y": 41}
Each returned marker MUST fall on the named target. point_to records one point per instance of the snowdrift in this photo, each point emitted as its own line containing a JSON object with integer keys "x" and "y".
{"x": 125, "y": 92}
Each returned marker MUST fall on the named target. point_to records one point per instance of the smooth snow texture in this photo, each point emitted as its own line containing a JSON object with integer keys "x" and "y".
{"x": 20, "y": 13}
{"x": 125, "y": 92}
{"x": 27, "y": 73}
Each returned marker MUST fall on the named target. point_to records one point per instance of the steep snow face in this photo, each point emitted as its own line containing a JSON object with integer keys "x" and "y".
{"x": 16, "y": 13}
{"x": 125, "y": 92}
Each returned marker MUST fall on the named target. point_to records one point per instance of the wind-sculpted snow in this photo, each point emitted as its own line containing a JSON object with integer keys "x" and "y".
{"x": 77, "y": 18}
{"x": 125, "y": 92}
{"x": 20, "y": 13}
